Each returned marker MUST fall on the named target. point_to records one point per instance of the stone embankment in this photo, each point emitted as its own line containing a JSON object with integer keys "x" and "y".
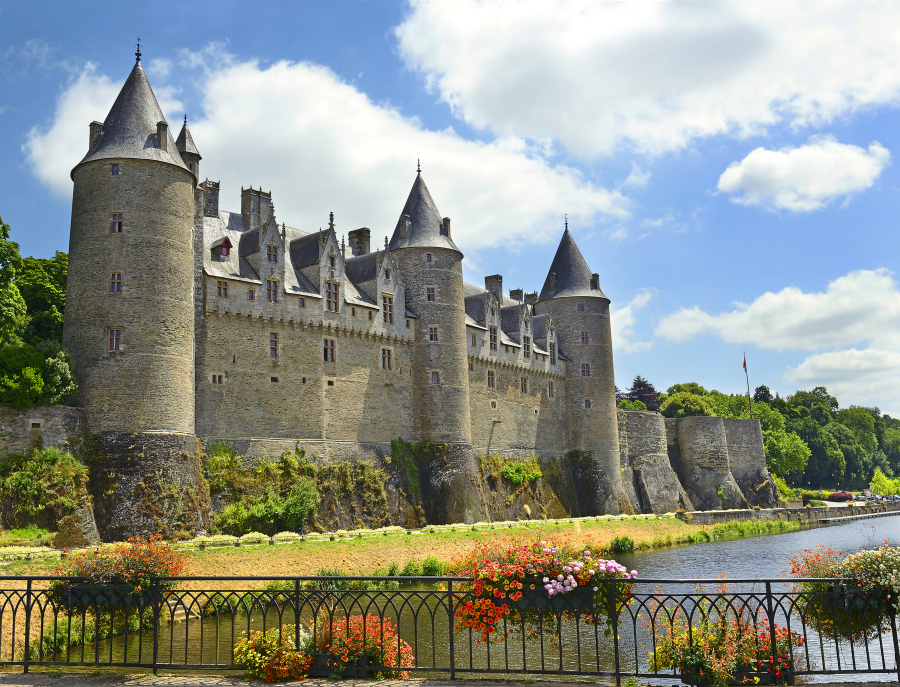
{"x": 812, "y": 515}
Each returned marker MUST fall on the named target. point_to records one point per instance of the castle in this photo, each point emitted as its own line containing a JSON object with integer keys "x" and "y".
{"x": 189, "y": 324}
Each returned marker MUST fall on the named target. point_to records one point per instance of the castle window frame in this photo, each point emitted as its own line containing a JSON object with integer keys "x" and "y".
{"x": 370, "y": 315}
{"x": 387, "y": 303}
{"x": 427, "y": 257}
{"x": 387, "y": 274}
{"x": 273, "y": 344}
{"x": 550, "y": 389}
{"x": 224, "y": 250}
{"x": 430, "y": 293}
{"x": 250, "y": 295}
{"x": 301, "y": 302}
{"x": 471, "y": 365}
{"x": 474, "y": 340}
{"x": 584, "y": 337}
{"x": 387, "y": 362}
{"x": 222, "y": 289}
{"x": 526, "y": 324}
{"x": 491, "y": 379}
{"x": 526, "y": 346}
{"x": 580, "y": 307}
{"x": 328, "y": 350}
{"x": 493, "y": 338}
{"x": 115, "y": 282}
{"x": 433, "y": 334}
{"x": 217, "y": 379}
{"x": 331, "y": 296}
{"x": 115, "y": 339}
{"x": 435, "y": 377}
{"x": 493, "y": 405}
{"x": 271, "y": 253}
{"x": 272, "y": 290}
{"x": 115, "y": 225}
{"x": 407, "y": 324}
{"x": 585, "y": 369}
{"x": 115, "y": 169}
{"x": 331, "y": 261}
{"x": 352, "y": 312}
{"x": 553, "y": 353}
{"x": 523, "y": 386}
{"x": 587, "y": 404}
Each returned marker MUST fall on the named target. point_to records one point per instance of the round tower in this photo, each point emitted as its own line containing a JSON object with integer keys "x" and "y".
{"x": 581, "y": 312}
{"x": 129, "y": 321}
{"x": 431, "y": 268}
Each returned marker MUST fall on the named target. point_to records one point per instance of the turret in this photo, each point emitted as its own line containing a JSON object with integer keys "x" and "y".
{"x": 572, "y": 295}
{"x": 129, "y": 321}
{"x": 189, "y": 153}
{"x": 423, "y": 251}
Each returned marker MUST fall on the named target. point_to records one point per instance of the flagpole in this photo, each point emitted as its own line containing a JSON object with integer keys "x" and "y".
{"x": 749, "y": 400}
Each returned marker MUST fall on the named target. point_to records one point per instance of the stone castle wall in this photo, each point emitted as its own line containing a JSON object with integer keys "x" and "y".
{"x": 23, "y": 430}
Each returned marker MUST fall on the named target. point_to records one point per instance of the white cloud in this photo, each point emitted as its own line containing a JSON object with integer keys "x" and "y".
{"x": 654, "y": 75}
{"x": 637, "y": 177}
{"x": 622, "y": 322}
{"x": 852, "y": 330}
{"x": 805, "y": 178}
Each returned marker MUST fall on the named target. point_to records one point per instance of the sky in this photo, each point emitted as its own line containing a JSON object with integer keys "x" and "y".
{"x": 728, "y": 168}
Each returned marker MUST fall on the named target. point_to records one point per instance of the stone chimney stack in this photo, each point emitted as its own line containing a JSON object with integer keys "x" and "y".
{"x": 531, "y": 298}
{"x": 96, "y": 132}
{"x": 516, "y": 294}
{"x": 494, "y": 284}
{"x": 162, "y": 135}
{"x": 360, "y": 239}
{"x": 211, "y": 198}
{"x": 445, "y": 227}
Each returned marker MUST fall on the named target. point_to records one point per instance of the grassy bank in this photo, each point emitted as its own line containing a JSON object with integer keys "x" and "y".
{"x": 363, "y": 556}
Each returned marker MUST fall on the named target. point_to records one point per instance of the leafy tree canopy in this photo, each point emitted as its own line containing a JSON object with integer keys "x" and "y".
{"x": 818, "y": 396}
{"x": 685, "y": 404}
{"x": 42, "y": 283}
{"x": 786, "y": 452}
{"x": 643, "y": 391}
{"x": 762, "y": 393}
{"x": 626, "y": 404}
{"x": 689, "y": 387}
{"x": 826, "y": 465}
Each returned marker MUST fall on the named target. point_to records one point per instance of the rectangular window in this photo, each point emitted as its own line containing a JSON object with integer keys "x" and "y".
{"x": 584, "y": 337}
{"x": 435, "y": 378}
{"x": 474, "y": 340}
{"x": 471, "y": 365}
{"x": 427, "y": 257}
{"x": 116, "y": 226}
{"x": 328, "y": 350}
{"x": 580, "y": 307}
{"x": 552, "y": 353}
{"x": 273, "y": 344}
{"x": 224, "y": 251}
{"x": 272, "y": 253}
{"x": 115, "y": 283}
{"x": 386, "y": 362}
{"x": 550, "y": 389}
{"x": 387, "y": 275}
{"x": 217, "y": 379}
{"x": 222, "y": 289}
{"x": 273, "y": 379}
{"x": 387, "y": 303}
{"x": 524, "y": 385}
{"x": 331, "y": 261}
{"x": 114, "y": 336}
{"x": 432, "y": 334}
{"x": 526, "y": 325}
{"x": 331, "y": 296}
{"x": 429, "y": 293}
{"x": 585, "y": 369}
{"x": 115, "y": 170}
{"x": 301, "y": 302}
{"x": 370, "y": 314}
{"x": 526, "y": 346}
{"x": 250, "y": 295}
{"x": 352, "y": 312}
{"x": 491, "y": 381}
{"x": 272, "y": 290}
{"x": 407, "y": 324}
{"x": 493, "y": 333}
{"x": 587, "y": 403}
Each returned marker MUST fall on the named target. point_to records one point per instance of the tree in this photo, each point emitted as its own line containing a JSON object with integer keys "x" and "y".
{"x": 860, "y": 421}
{"x": 881, "y": 484}
{"x": 625, "y": 404}
{"x": 42, "y": 283}
{"x": 684, "y": 404}
{"x": 890, "y": 445}
{"x": 21, "y": 383}
{"x": 58, "y": 372}
{"x": 818, "y": 396}
{"x": 826, "y": 464}
{"x": 762, "y": 394}
{"x": 643, "y": 391}
{"x": 13, "y": 313}
{"x": 859, "y": 463}
{"x": 786, "y": 453}
{"x": 690, "y": 387}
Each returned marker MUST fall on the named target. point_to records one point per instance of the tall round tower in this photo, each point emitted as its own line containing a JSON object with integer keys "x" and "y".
{"x": 129, "y": 321}
{"x": 581, "y": 312}
{"x": 430, "y": 265}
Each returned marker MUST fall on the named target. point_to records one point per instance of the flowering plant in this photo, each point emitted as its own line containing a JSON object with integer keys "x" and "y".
{"x": 272, "y": 654}
{"x": 500, "y": 578}
{"x": 372, "y": 636}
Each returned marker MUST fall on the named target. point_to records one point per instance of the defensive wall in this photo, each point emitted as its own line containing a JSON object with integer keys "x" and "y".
{"x": 808, "y": 516}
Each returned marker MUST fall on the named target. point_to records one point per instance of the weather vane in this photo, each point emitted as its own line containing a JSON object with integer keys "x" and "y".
{"x": 138, "y": 53}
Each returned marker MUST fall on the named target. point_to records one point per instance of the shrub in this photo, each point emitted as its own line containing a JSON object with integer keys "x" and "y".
{"x": 411, "y": 569}
{"x": 840, "y": 496}
{"x": 622, "y": 544}
{"x": 519, "y": 472}
{"x": 432, "y": 567}
{"x": 371, "y": 636}
{"x": 784, "y": 491}
{"x": 625, "y": 404}
{"x": 884, "y": 485}
{"x": 272, "y": 655}
{"x": 41, "y": 488}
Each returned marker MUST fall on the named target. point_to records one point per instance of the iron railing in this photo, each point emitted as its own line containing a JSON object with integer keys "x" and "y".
{"x": 196, "y": 624}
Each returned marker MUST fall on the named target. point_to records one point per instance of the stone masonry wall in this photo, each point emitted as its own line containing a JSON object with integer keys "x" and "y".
{"x": 747, "y": 460}
{"x": 704, "y": 463}
{"x": 23, "y": 430}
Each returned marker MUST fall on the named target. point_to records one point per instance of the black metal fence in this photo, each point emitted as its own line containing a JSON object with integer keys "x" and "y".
{"x": 418, "y": 623}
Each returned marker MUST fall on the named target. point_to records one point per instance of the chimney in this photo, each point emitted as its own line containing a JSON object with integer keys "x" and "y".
{"x": 595, "y": 282}
{"x": 162, "y": 135}
{"x": 516, "y": 294}
{"x": 445, "y": 227}
{"x": 96, "y": 132}
{"x": 256, "y": 207}
{"x": 531, "y": 298}
{"x": 211, "y": 198}
{"x": 494, "y": 284}
{"x": 360, "y": 239}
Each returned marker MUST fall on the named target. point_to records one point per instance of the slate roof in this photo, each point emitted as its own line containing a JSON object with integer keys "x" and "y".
{"x": 509, "y": 318}
{"x": 185, "y": 142}
{"x": 470, "y": 290}
{"x": 129, "y": 131}
{"x": 573, "y": 276}
{"x": 305, "y": 250}
{"x": 363, "y": 268}
{"x": 539, "y": 327}
{"x": 425, "y": 222}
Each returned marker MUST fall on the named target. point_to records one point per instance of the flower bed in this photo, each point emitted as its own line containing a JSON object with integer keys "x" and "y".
{"x": 272, "y": 655}
{"x": 526, "y": 580}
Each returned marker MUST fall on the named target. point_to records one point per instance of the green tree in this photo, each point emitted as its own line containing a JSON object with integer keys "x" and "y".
{"x": 21, "y": 383}
{"x": 58, "y": 372}
{"x": 890, "y": 446}
{"x": 42, "y": 283}
{"x": 643, "y": 391}
{"x": 826, "y": 464}
{"x": 786, "y": 453}
{"x": 685, "y": 404}
{"x": 762, "y": 394}
{"x": 881, "y": 484}
{"x": 626, "y": 404}
{"x": 689, "y": 387}
{"x": 860, "y": 421}
{"x": 859, "y": 466}
{"x": 818, "y": 396}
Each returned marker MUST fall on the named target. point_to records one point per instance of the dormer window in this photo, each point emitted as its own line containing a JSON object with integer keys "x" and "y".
{"x": 224, "y": 249}
{"x": 272, "y": 253}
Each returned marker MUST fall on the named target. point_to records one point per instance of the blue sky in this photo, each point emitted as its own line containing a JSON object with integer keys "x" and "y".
{"x": 727, "y": 168}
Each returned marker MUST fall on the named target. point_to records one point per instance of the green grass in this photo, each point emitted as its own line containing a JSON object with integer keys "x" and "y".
{"x": 26, "y": 536}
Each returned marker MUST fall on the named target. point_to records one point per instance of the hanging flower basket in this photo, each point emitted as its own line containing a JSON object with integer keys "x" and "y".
{"x": 535, "y": 597}
{"x": 849, "y": 598}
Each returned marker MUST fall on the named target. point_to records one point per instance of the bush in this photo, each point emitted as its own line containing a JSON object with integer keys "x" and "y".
{"x": 840, "y": 496}
{"x": 432, "y": 567}
{"x": 884, "y": 485}
{"x": 622, "y": 544}
{"x": 784, "y": 491}
{"x": 520, "y": 472}
{"x": 371, "y": 636}
{"x": 41, "y": 488}
{"x": 271, "y": 655}
{"x": 685, "y": 404}
{"x": 625, "y": 404}
{"x": 411, "y": 569}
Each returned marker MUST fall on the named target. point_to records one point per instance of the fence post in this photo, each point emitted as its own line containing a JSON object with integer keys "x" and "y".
{"x": 27, "y": 625}
{"x": 893, "y": 614}
{"x": 452, "y": 645}
{"x": 613, "y": 619}
{"x": 771, "y": 612}
{"x": 157, "y": 613}
{"x": 297, "y": 613}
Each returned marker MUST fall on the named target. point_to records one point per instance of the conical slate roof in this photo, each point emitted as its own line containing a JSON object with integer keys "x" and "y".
{"x": 425, "y": 229}
{"x": 185, "y": 142}
{"x": 570, "y": 272}
{"x": 129, "y": 131}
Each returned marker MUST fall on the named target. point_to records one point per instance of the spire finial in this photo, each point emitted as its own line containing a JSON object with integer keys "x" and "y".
{"x": 385, "y": 243}
{"x": 331, "y": 220}
{"x": 185, "y": 118}
{"x": 567, "y": 222}
{"x": 138, "y": 53}
{"x": 418, "y": 167}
